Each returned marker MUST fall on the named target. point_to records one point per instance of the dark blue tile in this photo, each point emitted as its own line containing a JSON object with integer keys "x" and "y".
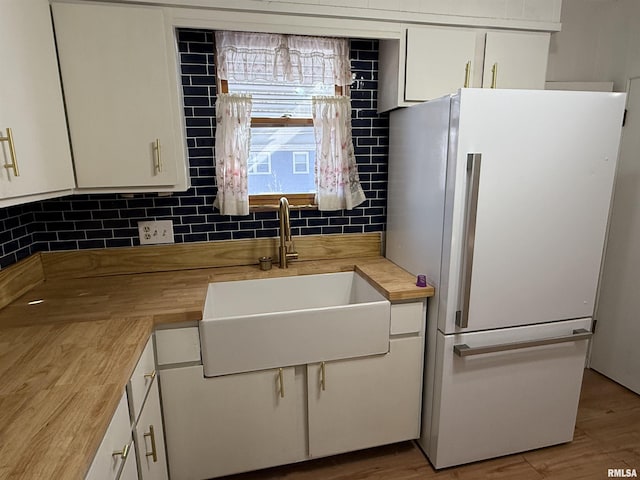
{"x": 238, "y": 235}
{"x": 91, "y": 244}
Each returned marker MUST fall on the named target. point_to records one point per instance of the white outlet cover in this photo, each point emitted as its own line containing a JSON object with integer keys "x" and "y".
{"x": 156, "y": 231}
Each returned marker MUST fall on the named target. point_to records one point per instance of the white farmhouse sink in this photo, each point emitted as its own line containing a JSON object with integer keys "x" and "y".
{"x": 276, "y": 322}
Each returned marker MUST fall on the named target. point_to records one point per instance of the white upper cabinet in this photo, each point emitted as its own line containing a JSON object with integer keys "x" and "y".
{"x": 438, "y": 59}
{"x": 119, "y": 74}
{"x": 519, "y": 60}
{"x": 31, "y": 107}
{"x": 429, "y": 62}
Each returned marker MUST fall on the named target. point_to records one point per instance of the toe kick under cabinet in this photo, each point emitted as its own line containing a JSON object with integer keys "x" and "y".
{"x": 246, "y": 421}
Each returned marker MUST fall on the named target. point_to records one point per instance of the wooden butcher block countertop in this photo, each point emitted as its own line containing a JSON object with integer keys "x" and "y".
{"x": 64, "y": 362}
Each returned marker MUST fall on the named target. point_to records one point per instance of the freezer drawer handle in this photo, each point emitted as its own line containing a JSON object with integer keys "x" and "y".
{"x": 465, "y": 350}
{"x": 473, "y": 185}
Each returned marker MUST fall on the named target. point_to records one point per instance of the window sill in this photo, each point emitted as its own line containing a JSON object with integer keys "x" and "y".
{"x": 297, "y": 201}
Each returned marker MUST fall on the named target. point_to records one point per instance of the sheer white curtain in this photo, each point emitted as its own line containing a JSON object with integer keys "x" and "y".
{"x": 250, "y": 57}
{"x": 258, "y": 57}
{"x": 233, "y": 137}
{"x": 337, "y": 181}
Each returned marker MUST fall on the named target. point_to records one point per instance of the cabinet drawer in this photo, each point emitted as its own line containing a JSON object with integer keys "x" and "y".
{"x": 105, "y": 464}
{"x": 407, "y": 318}
{"x": 141, "y": 380}
{"x": 533, "y": 390}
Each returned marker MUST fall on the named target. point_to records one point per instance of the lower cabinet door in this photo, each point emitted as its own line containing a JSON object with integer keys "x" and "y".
{"x": 232, "y": 423}
{"x": 129, "y": 470}
{"x": 360, "y": 403}
{"x": 115, "y": 446}
{"x": 152, "y": 459}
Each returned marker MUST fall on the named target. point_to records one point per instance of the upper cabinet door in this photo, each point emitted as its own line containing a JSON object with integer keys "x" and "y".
{"x": 120, "y": 81}
{"x": 438, "y": 61}
{"x": 516, "y": 60}
{"x": 31, "y": 105}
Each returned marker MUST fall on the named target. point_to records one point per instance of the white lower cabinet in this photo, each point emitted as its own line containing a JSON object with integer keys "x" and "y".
{"x": 232, "y": 423}
{"x": 136, "y": 426}
{"x": 129, "y": 470}
{"x": 364, "y": 402}
{"x": 236, "y": 423}
{"x": 149, "y": 438}
{"x": 115, "y": 446}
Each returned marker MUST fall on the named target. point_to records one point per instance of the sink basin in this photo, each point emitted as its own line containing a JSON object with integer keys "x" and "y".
{"x": 276, "y": 322}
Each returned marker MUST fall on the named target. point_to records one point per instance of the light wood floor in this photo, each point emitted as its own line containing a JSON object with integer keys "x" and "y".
{"x": 607, "y": 435}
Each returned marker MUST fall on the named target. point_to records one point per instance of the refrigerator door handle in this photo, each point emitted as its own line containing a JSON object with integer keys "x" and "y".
{"x": 474, "y": 161}
{"x": 464, "y": 350}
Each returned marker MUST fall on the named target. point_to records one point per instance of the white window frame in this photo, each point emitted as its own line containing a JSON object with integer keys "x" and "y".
{"x": 252, "y": 166}
{"x": 305, "y": 162}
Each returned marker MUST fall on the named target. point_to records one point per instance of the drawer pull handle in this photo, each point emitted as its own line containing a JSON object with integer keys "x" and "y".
{"x": 465, "y": 350}
{"x": 323, "y": 376}
{"x": 12, "y": 151}
{"x": 152, "y": 436}
{"x": 281, "y": 382}
{"x": 122, "y": 453}
{"x": 151, "y": 375}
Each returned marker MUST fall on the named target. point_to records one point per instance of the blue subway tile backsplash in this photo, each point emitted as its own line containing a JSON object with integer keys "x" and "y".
{"x": 110, "y": 220}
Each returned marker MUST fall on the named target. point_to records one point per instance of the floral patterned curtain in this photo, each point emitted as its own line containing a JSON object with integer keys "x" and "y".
{"x": 233, "y": 137}
{"x": 250, "y": 57}
{"x": 337, "y": 181}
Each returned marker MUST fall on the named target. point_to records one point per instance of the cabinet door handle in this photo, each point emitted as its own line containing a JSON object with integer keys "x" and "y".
{"x": 12, "y": 152}
{"x": 152, "y": 436}
{"x": 122, "y": 453}
{"x": 151, "y": 375}
{"x": 281, "y": 382}
{"x": 323, "y": 376}
{"x": 494, "y": 75}
{"x": 156, "y": 149}
{"x": 467, "y": 74}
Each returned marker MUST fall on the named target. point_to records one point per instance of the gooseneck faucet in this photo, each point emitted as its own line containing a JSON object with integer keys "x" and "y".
{"x": 287, "y": 251}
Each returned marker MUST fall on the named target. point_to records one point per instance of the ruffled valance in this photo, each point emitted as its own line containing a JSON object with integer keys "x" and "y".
{"x": 251, "y": 57}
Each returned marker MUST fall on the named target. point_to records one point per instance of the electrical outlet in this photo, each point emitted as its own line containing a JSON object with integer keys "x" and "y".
{"x": 155, "y": 231}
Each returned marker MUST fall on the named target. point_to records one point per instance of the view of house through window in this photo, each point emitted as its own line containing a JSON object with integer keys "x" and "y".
{"x": 282, "y": 154}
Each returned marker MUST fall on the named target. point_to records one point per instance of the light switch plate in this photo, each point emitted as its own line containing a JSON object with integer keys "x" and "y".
{"x": 156, "y": 231}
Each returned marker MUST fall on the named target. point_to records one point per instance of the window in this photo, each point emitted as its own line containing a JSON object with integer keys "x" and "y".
{"x": 282, "y": 150}
{"x": 301, "y": 163}
{"x": 282, "y": 139}
{"x": 259, "y": 163}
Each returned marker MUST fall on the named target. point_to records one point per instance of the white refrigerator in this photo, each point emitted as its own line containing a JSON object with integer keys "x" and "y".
{"x": 501, "y": 198}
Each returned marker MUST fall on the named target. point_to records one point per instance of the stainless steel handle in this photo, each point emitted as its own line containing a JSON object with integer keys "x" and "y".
{"x": 152, "y": 436}
{"x": 12, "y": 152}
{"x": 474, "y": 161}
{"x": 465, "y": 350}
{"x": 156, "y": 148}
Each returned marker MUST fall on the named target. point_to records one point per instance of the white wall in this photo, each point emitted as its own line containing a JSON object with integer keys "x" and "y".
{"x": 599, "y": 41}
